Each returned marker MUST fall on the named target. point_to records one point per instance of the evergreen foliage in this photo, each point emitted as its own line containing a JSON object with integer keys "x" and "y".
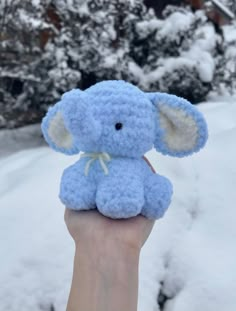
{"x": 50, "y": 46}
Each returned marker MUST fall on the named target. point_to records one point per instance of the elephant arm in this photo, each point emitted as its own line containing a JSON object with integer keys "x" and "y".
{"x": 157, "y": 191}
{"x": 77, "y": 191}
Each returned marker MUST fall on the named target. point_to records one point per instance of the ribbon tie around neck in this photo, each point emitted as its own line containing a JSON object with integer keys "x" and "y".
{"x": 103, "y": 157}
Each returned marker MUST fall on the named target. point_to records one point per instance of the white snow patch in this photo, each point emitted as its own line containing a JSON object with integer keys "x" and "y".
{"x": 230, "y": 33}
{"x": 200, "y": 52}
{"x": 191, "y": 250}
{"x": 176, "y": 23}
{"x": 203, "y": 62}
{"x": 12, "y": 140}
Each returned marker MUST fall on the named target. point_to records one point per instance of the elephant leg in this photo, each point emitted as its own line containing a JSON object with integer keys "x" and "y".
{"x": 158, "y": 192}
{"x": 120, "y": 197}
{"x": 77, "y": 191}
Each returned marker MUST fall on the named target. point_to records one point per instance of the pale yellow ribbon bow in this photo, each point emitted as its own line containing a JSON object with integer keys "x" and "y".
{"x": 103, "y": 157}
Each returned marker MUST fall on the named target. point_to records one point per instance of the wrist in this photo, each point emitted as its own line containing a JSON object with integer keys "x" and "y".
{"x": 105, "y": 278}
{"x": 106, "y": 252}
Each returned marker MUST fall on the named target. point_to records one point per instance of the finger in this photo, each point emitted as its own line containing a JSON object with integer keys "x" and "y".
{"x": 66, "y": 214}
{"x": 69, "y": 213}
{"x": 147, "y": 222}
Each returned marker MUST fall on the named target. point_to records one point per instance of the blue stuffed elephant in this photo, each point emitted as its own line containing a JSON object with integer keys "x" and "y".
{"x": 114, "y": 123}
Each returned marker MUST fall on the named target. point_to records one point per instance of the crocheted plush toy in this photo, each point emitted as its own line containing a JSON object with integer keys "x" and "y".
{"x": 114, "y": 123}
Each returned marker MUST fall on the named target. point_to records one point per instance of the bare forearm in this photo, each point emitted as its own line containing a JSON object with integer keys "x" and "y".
{"x": 105, "y": 278}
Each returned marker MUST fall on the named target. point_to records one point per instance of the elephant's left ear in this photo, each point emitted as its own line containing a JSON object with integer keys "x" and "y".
{"x": 54, "y": 128}
{"x": 180, "y": 128}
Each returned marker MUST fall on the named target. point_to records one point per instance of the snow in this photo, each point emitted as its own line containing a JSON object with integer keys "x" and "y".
{"x": 36, "y": 3}
{"x": 203, "y": 61}
{"x": 194, "y": 58}
{"x": 230, "y": 33}
{"x": 195, "y": 244}
{"x": 32, "y": 21}
{"x": 148, "y": 26}
{"x": 176, "y": 23}
{"x": 170, "y": 27}
{"x": 189, "y": 257}
{"x": 196, "y": 52}
{"x": 201, "y": 52}
{"x": 29, "y": 136}
{"x": 169, "y": 65}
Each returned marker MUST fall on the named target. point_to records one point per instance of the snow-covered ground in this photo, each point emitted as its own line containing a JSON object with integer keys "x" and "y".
{"x": 15, "y": 139}
{"x": 189, "y": 261}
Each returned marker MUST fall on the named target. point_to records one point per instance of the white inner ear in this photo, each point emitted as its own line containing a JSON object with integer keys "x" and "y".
{"x": 180, "y": 128}
{"x": 58, "y": 133}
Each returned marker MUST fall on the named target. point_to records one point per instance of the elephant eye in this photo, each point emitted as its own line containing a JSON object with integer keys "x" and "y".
{"x": 118, "y": 126}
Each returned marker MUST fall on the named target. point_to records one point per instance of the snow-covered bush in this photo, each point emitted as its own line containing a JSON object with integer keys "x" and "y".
{"x": 21, "y": 51}
{"x": 225, "y": 78}
{"x": 50, "y": 46}
{"x": 177, "y": 53}
{"x": 96, "y": 37}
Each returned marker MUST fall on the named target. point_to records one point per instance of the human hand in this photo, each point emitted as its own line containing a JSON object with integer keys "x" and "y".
{"x": 93, "y": 227}
{"x": 105, "y": 275}
{"x": 106, "y": 260}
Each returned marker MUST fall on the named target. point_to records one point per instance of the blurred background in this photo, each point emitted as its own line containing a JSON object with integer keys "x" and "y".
{"x": 48, "y": 47}
{"x": 183, "y": 47}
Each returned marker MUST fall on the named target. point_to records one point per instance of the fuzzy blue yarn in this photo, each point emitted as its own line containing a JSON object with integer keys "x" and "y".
{"x": 130, "y": 188}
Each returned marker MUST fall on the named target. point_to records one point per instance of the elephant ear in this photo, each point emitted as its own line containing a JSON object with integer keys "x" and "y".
{"x": 180, "y": 128}
{"x": 54, "y": 127}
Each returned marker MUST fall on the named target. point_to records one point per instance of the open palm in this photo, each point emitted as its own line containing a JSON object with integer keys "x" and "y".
{"x": 85, "y": 226}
